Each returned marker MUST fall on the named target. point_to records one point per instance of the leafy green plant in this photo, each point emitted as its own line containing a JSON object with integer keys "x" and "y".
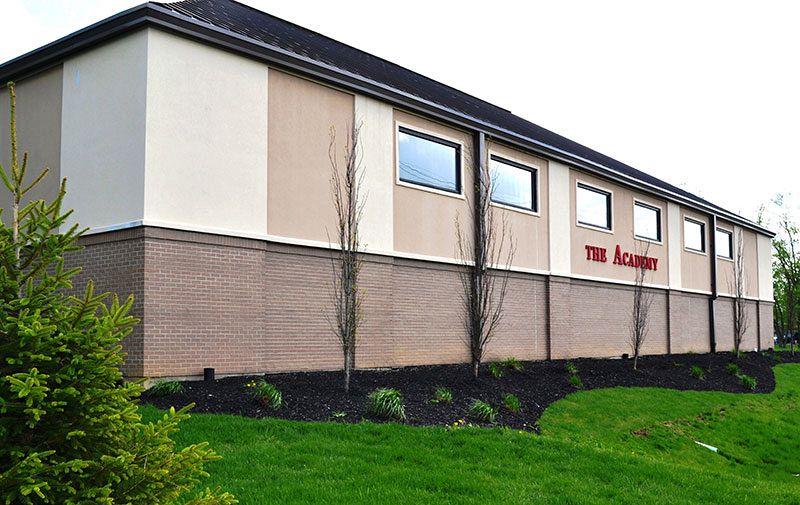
{"x": 514, "y": 364}
{"x": 164, "y": 388}
{"x": 572, "y": 368}
{"x": 496, "y": 370}
{"x": 698, "y": 373}
{"x": 512, "y": 403}
{"x": 576, "y": 381}
{"x": 732, "y": 368}
{"x": 748, "y": 382}
{"x": 482, "y": 411}
{"x": 70, "y": 427}
{"x": 442, "y": 395}
{"x": 386, "y": 403}
{"x": 338, "y": 414}
{"x": 267, "y": 394}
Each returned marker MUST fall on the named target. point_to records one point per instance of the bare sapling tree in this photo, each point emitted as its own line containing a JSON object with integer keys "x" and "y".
{"x": 642, "y": 301}
{"x": 346, "y": 184}
{"x": 486, "y": 250}
{"x": 736, "y": 286}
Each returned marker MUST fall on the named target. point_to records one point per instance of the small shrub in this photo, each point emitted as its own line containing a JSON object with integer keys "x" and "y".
{"x": 748, "y": 382}
{"x": 572, "y": 368}
{"x": 512, "y": 403}
{"x": 576, "y": 381}
{"x": 482, "y": 411}
{"x": 386, "y": 403}
{"x": 698, "y": 373}
{"x": 496, "y": 370}
{"x": 513, "y": 363}
{"x": 267, "y": 394}
{"x": 732, "y": 368}
{"x": 164, "y": 388}
{"x": 442, "y": 395}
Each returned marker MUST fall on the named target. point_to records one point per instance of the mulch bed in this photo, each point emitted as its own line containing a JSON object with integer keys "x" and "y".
{"x": 317, "y": 396}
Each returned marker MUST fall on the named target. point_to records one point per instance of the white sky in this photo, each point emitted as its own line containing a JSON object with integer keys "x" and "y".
{"x": 705, "y": 95}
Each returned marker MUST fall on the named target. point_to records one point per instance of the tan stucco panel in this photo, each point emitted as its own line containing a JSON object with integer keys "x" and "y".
{"x": 38, "y": 133}
{"x": 695, "y": 267}
{"x": 725, "y": 267}
{"x": 301, "y": 114}
{"x": 424, "y": 221}
{"x": 529, "y": 232}
{"x": 622, "y": 234}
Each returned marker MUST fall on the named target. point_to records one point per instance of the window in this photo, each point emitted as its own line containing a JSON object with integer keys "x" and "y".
{"x": 513, "y": 184}
{"x": 694, "y": 235}
{"x": 593, "y": 206}
{"x": 646, "y": 221}
{"x": 724, "y": 244}
{"x": 429, "y": 161}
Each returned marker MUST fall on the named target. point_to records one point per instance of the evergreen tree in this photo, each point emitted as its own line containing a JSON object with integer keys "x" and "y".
{"x": 70, "y": 431}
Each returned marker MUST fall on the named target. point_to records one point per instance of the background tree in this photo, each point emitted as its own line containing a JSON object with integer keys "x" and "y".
{"x": 736, "y": 285}
{"x": 486, "y": 254}
{"x": 786, "y": 275}
{"x": 640, "y": 312}
{"x": 347, "y": 201}
{"x": 70, "y": 431}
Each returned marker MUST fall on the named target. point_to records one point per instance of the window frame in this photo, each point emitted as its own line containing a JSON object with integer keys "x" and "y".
{"x": 702, "y": 236}
{"x": 534, "y": 184}
{"x": 659, "y": 212}
{"x": 729, "y": 233}
{"x": 421, "y": 133}
{"x": 609, "y": 207}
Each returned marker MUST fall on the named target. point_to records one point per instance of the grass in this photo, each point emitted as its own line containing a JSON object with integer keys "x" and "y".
{"x": 620, "y": 445}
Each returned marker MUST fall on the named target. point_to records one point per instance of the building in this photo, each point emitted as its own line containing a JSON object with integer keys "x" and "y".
{"x": 194, "y": 136}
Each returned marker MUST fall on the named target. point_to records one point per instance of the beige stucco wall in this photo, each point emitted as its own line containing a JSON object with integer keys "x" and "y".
{"x": 622, "y": 234}
{"x": 424, "y": 220}
{"x": 695, "y": 267}
{"x": 301, "y": 113}
{"x": 38, "y": 116}
{"x": 103, "y": 132}
{"x": 206, "y": 138}
{"x": 529, "y": 231}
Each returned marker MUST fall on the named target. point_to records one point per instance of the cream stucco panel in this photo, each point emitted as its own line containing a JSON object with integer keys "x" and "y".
{"x": 560, "y": 223}
{"x": 764, "y": 253}
{"x": 674, "y": 224}
{"x": 377, "y": 132}
{"x": 206, "y": 138}
{"x": 103, "y": 132}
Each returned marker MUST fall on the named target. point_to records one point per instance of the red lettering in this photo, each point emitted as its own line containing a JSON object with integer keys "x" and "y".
{"x": 589, "y": 251}
{"x": 655, "y": 263}
{"x": 618, "y": 256}
{"x": 603, "y": 255}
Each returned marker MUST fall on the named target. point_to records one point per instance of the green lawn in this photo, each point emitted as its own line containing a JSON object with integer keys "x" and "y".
{"x": 621, "y": 445}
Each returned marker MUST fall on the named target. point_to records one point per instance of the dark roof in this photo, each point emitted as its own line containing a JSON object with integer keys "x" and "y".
{"x": 249, "y": 24}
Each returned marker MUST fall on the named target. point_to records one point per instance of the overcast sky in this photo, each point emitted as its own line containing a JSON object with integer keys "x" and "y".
{"x": 705, "y": 95}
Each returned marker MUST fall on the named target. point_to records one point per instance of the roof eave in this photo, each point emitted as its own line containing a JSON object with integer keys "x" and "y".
{"x": 150, "y": 14}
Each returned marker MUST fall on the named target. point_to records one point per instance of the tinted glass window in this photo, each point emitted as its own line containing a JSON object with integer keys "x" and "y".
{"x": 647, "y": 221}
{"x": 512, "y": 184}
{"x": 694, "y": 235}
{"x": 429, "y": 161}
{"x": 593, "y": 207}
{"x": 724, "y": 244}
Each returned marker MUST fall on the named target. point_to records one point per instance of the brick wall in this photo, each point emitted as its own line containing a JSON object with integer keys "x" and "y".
{"x": 593, "y": 319}
{"x": 688, "y": 321}
{"x": 248, "y": 306}
{"x": 115, "y": 263}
